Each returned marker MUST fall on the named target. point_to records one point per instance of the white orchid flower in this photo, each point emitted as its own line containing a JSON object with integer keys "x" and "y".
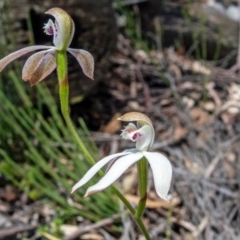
{"x": 143, "y": 135}
{"x": 42, "y": 63}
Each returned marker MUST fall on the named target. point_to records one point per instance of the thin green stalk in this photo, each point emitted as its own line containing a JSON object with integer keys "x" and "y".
{"x": 142, "y": 183}
{"x": 143, "y": 228}
{"x": 64, "y": 97}
{"x": 64, "y": 100}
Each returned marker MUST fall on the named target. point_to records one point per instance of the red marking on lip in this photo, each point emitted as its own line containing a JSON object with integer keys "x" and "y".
{"x": 50, "y": 30}
{"x": 136, "y": 135}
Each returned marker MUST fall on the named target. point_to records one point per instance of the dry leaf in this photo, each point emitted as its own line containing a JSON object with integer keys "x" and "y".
{"x": 113, "y": 125}
{"x": 229, "y": 164}
{"x": 92, "y": 236}
{"x": 179, "y": 131}
{"x": 175, "y": 71}
{"x": 133, "y": 105}
{"x": 209, "y": 106}
{"x": 234, "y": 92}
{"x": 227, "y": 118}
{"x": 188, "y": 102}
{"x": 68, "y": 230}
{"x": 230, "y": 169}
{"x": 193, "y": 167}
{"x": 9, "y": 194}
{"x": 200, "y": 117}
{"x": 154, "y": 204}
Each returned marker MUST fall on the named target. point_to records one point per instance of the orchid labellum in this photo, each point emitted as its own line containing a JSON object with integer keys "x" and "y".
{"x": 42, "y": 63}
{"x": 143, "y": 135}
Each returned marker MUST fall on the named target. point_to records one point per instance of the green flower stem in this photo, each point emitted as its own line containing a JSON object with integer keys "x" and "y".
{"x": 142, "y": 179}
{"x": 143, "y": 228}
{"x": 64, "y": 97}
{"x": 64, "y": 101}
{"x": 142, "y": 183}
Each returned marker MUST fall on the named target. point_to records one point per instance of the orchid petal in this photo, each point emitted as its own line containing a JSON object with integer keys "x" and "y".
{"x": 162, "y": 172}
{"x": 63, "y": 28}
{"x": 39, "y": 66}
{"x": 9, "y": 58}
{"x": 127, "y": 130}
{"x": 93, "y": 170}
{"x": 144, "y": 137}
{"x": 116, "y": 170}
{"x": 85, "y": 60}
{"x": 32, "y": 64}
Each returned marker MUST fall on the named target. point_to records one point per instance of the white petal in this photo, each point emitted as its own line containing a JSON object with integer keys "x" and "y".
{"x": 9, "y": 58}
{"x": 162, "y": 172}
{"x": 94, "y": 169}
{"x": 116, "y": 170}
{"x": 144, "y": 138}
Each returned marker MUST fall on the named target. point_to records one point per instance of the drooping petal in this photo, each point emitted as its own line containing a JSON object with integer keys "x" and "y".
{"x": 32, "y": 64}
{"x": 162, "y": 172}
{"x": 116, "y": 170}
{"x": 64, "y": 28}
{"x": 39, "y": 66}
{"x": 9, "y": 58}
{"x": 85, "y": 60}
{"x": 93, "y": 170}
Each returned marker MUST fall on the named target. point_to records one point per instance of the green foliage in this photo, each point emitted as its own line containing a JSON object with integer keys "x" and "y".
{"x": 40, "y": 157}
{"x": 133, "y": 26}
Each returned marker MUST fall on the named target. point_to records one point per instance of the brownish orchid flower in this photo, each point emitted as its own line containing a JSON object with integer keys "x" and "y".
{"x": 42, "y": 63}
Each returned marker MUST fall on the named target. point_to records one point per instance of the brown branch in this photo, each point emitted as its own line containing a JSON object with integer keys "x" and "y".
{"x": 4, "y": 233}
{"x": 90, "y": 227}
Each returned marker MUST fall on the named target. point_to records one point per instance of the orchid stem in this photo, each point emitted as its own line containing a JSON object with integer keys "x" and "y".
{"x": 142, "y": 179}
{"x": 64, "y": 98}
{"x": 143, "y": 228}
{"x": 64, "y": 101}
